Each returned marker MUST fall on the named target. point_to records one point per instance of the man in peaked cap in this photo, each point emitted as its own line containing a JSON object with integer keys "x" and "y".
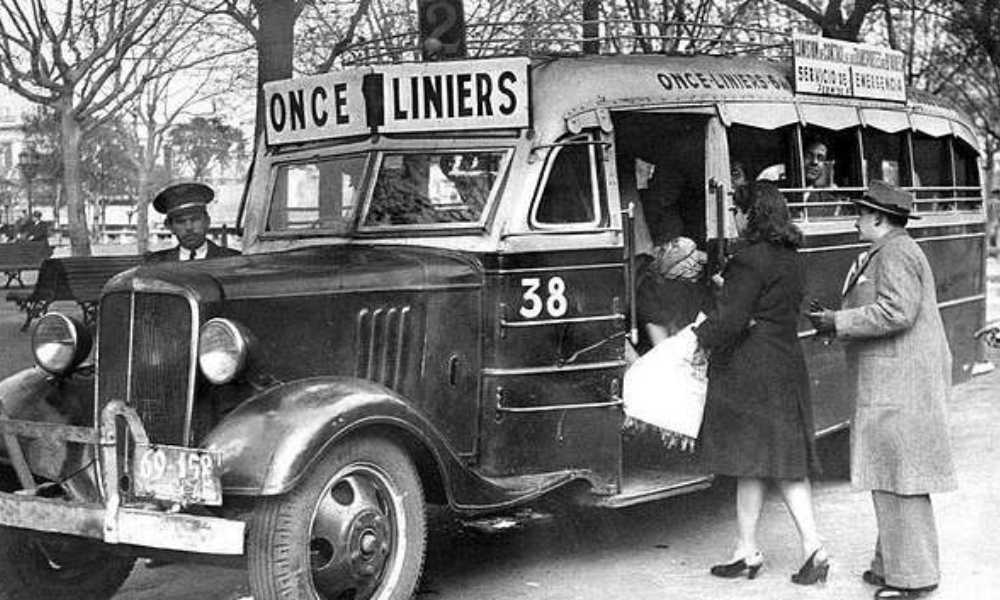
{"x": 185, "y": 206}
{"x": 900, "y": 366}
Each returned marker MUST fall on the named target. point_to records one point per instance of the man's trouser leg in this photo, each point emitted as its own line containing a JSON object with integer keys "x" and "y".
{"x": 907, "y": 539}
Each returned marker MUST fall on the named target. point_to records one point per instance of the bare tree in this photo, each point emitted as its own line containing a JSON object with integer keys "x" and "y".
{"x": 87, "y": 59}
{"x": 832, "y": 20}
{"x": 325, "y": 21}
{"x": 975, "y": 30}
{"x": 162, "y": 103}
{"x": 979, "y": 22}
{"x": 271, "y": 24}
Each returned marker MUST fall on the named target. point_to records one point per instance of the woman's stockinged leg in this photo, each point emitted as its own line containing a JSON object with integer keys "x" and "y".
{"x": 797, "y": 494}
{"x": 749, "y": 502}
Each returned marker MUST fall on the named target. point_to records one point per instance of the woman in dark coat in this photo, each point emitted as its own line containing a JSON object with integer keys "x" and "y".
{"x": 758, "y": 424}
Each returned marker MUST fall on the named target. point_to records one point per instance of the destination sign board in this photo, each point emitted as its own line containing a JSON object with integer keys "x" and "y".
{"x": 481, "y": 94}
{"x": 330, "y": 105}
{"x": 458, "y": 95}
{"x": 832, "y": 67}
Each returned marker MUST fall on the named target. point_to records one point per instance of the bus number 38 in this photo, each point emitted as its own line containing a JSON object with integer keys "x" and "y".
{"x": 554, "y": 304}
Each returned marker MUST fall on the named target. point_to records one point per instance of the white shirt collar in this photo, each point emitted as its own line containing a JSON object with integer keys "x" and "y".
{"x": 200, "y": 253}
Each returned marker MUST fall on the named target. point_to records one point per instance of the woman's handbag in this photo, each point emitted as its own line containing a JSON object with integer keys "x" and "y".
{"x": 666, "y": 386}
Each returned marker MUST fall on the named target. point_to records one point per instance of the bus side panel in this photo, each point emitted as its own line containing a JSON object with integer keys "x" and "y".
{"x": 515, "y": 443}
{"x": 960, "y": 322}
{"x": 958, "y": 272}
{"x": 956, "y": 259}
{"x": 553, "y": 363}
{"x": 827, "y": 259}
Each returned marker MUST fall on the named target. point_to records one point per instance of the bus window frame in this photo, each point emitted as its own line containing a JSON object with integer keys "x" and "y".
{"x": 430, "y": 229}
{"x": 600, "y": 200}
{"x": 312, "y": 157}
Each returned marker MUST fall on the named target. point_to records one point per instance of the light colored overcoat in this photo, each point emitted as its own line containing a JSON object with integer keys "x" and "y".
{"x": 898, "y": 357}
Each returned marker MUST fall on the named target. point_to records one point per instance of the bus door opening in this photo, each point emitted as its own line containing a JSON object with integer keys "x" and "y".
{"x": 660, "y": 160}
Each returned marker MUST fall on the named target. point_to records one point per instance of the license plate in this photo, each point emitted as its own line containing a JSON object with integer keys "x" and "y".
{"x": 178, "y": 474}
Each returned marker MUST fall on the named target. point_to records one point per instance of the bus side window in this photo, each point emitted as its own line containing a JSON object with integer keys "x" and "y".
{"x": 932, "y": 171}
{"x": 570, "y": 192}
{"x": 765, "y": 154}
{"x": 966, "y": 176}
{"x": 885, "y": 157}
{"x": 830, "y": 161}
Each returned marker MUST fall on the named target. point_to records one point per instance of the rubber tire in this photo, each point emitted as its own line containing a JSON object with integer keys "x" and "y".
{"x": 278, "y": 552}
{"x": 27, "y": 574}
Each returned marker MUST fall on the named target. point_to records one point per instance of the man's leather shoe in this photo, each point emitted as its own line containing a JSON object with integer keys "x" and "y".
{"x": 890, "y": 591}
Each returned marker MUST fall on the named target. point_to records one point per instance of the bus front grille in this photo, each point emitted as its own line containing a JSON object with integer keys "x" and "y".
{"x": 146, "y": 357}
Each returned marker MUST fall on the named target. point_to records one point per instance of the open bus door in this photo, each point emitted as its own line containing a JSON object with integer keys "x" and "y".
{"x": 672, "y": 167}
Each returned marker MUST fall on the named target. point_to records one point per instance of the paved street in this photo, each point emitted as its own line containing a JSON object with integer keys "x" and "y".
{"x": 664, "y": 550}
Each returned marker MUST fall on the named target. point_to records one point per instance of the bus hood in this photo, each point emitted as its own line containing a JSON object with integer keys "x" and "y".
{"x": 308, "y": 271}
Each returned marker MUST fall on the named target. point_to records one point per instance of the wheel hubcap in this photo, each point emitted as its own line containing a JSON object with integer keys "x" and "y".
{"x": 354, "y": 533}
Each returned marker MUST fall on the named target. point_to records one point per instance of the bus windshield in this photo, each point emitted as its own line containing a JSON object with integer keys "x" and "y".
{"x": 441, "y": 188}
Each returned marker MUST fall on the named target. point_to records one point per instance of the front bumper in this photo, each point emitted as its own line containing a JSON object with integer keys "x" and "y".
{"x": 124, "y": 525}
{"x": 108, "y": 521}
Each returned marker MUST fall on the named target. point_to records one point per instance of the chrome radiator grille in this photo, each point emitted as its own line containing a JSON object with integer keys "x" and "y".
{"x": 145, "y": 357}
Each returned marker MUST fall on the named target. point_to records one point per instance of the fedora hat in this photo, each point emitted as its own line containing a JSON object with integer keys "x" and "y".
{"x": 182, "y": 196}
{"x": 888, "y": 199}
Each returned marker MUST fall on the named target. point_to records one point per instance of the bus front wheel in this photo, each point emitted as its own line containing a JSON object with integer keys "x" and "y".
{"x": 355, "y": 527}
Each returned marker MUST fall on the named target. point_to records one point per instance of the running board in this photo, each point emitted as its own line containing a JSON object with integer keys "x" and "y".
{"x": 649, "y": 485}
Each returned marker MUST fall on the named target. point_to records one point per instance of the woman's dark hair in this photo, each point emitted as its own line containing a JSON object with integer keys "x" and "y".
{"x": 767, "y": 214}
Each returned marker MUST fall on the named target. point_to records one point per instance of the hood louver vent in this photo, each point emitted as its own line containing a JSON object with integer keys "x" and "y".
{"x": 383, "y": 337}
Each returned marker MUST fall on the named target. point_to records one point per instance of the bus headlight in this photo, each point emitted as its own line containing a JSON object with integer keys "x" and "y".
{"x": 60, "y": 343}
{"x": 223, "y": 346}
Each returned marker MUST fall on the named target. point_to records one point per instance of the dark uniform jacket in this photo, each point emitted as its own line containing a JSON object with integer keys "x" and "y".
{"x": 172, "y": 254}
{"x": 758, "y": 417}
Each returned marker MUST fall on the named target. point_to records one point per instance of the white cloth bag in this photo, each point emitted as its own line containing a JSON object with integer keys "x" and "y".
{"x": 666, "y": 386}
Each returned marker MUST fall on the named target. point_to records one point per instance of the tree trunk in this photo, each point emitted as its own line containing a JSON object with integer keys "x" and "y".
{"x": 147, "y": 163}
{"x": 76, "y": 214}
{"x": 275, "y": 40}
{"x": 591, "y": 26}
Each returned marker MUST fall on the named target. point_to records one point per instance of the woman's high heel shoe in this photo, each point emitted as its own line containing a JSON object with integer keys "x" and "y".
{"x": 814, "y": 570}
{"x": 748, "y": 564}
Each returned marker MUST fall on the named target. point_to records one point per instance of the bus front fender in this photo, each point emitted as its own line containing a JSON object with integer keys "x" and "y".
{"x": 270, "y": 441}
{"x": 55, "y": 404}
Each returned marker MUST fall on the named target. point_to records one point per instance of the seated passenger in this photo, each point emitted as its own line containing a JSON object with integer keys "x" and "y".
{"x": 669, "y": 290}
{"x": 819, "y": 174}
{"x": 402, "y": 192}
{"x": 737, "y": 174}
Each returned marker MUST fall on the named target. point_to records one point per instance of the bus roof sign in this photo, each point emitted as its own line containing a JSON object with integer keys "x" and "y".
{"x": 835, "y": 68}
{"x": 480, "y": 94}
{"x": 455, "y": 95}
{"x": 330, "y": 105}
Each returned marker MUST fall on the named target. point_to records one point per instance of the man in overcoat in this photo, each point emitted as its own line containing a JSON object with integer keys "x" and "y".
{"x": 185, "y": 206}
{"x": 898, "y": 358}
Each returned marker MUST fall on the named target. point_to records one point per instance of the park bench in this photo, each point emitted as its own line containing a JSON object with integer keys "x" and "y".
{"x": 16, "y": 257}
{"x": 76, "y": 278}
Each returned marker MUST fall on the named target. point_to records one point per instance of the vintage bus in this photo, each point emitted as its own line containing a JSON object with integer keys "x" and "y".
{"x": 433, "y": 306}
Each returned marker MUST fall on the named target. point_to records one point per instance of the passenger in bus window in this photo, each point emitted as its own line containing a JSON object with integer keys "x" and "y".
{"x": 758, "y": 423}
{"x": 670, "y": 289}
{"x": 819, "y": 176}
{"x": 662, "y": 200}
{"x": 402, "y": 192}
{"x": 737, "y": 174}
{"x": 898, "y": 352}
